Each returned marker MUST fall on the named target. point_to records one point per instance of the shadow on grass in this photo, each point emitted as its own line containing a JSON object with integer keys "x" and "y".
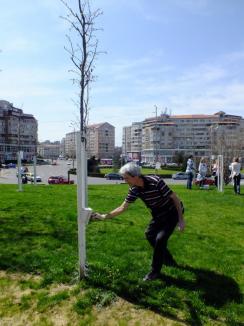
{"x": 216, "y": 289}
{"x": 170, "y": 295}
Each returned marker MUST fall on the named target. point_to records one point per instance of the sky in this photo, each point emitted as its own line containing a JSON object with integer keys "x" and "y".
{"x": 183, "y": 56}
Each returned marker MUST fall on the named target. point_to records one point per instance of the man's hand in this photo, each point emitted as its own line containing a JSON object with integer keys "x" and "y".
{"x": 97, "y": 216}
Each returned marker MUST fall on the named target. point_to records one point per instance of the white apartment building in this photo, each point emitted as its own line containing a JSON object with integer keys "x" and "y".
{"x": 197, "y": 134}
{"x": 49, "y": 150}
{"x": 70, "y": 144}
{"x": 18, "y": 132}
{"x": 132, "y": 141}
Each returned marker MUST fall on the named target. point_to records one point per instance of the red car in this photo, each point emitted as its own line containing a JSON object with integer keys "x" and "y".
{"x": 59, "y": 180}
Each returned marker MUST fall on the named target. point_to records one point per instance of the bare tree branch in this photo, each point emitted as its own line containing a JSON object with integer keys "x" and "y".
{"x": 83, "y": 51}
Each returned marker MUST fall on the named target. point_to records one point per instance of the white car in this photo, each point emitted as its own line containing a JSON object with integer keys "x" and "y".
{"x": 180, "y": 176}
{"x": 30, "y": 177}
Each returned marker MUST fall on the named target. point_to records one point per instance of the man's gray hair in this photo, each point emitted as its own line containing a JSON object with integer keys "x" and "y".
{"x": 131, "y": 169}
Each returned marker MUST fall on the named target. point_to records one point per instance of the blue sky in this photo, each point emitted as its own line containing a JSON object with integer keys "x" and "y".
{"x": 183, "y": 55}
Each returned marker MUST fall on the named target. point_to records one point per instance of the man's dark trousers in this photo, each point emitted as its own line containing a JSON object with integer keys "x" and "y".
{"x": 237, "y": 181}
{"x": 189, "y": 180}
{"x": 158, "y": 232}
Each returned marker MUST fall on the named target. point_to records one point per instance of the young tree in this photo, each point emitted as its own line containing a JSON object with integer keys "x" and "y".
{"x": 83, "y": 50}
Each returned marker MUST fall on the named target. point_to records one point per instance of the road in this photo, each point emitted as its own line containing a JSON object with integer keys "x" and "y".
{"x": 8, "y": 176}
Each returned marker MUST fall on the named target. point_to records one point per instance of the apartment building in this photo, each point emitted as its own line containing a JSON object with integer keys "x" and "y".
{"x": 157, "y": 141}
{"x": 70, "y": 144}
{"x": 49, "y": 150}
{"x": 132, "y": 141}
{"x": 101, "y": 140}
{"x": 18, "y": 132}
{"x": 198, "y": 134}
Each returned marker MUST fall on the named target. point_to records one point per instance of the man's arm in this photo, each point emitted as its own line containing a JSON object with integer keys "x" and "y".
{"x": 177, "y": 203}
{"x": 117, "y": 211}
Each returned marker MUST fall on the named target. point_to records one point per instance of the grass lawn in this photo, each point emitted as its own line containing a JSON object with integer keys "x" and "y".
{"x": 38, "y": 260}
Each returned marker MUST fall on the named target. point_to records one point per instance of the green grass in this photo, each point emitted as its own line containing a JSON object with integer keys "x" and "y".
{"x": 38, "y": 235}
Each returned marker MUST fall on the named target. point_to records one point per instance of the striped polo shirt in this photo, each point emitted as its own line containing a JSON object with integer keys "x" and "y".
{"x": 155, "y": 194}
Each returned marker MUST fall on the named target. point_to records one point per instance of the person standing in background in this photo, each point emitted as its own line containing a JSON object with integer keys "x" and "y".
{"x": 190, "y": 168}
{"x": 202, "y": 171}
{"x": 235, "y": 168}
{"x": 215, "y": 172}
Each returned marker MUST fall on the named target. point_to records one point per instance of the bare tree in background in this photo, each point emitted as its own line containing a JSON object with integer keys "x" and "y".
{"x": 83, "y": 50}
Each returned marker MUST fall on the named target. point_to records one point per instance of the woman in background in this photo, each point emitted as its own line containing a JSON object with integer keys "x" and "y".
{"x": 190, "y": 168}
{"x": 202, "y": 171}
{"x": 235, "y": 168}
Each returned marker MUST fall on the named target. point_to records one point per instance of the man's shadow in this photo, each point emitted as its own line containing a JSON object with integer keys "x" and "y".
{"x": 216, "y": 289}
{"x": 213, "y": 289}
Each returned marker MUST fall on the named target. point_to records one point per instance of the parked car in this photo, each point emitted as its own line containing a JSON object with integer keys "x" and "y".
{"x": 113, "y": 176}
{"x": 206, "y": 181}
{"x": 59, "y": 180}
{"x": 30, "y": 177}
{"x": 11, "y": 165}
{"x": 171, "y": 164}
{"x": 150, "y": 166}
{"x": 180, "y": 176}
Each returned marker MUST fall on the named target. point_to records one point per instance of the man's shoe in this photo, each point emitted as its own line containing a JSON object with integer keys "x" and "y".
{"x": 152, "y": 276}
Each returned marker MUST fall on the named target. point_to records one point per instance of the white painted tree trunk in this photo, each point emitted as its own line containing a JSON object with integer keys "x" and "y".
{"x": 83, "y": 213}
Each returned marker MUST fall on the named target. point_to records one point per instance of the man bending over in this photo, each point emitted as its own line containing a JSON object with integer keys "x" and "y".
{"x": 166, "y": 210}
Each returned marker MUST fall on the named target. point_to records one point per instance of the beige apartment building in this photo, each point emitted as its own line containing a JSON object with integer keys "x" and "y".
{"x": 18, "y": 132}
{"x": 100, "y": 141}
{"x": 197, "y": 134}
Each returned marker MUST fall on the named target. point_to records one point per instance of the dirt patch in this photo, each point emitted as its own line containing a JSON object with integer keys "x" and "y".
{"x": 120, "y": 312}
